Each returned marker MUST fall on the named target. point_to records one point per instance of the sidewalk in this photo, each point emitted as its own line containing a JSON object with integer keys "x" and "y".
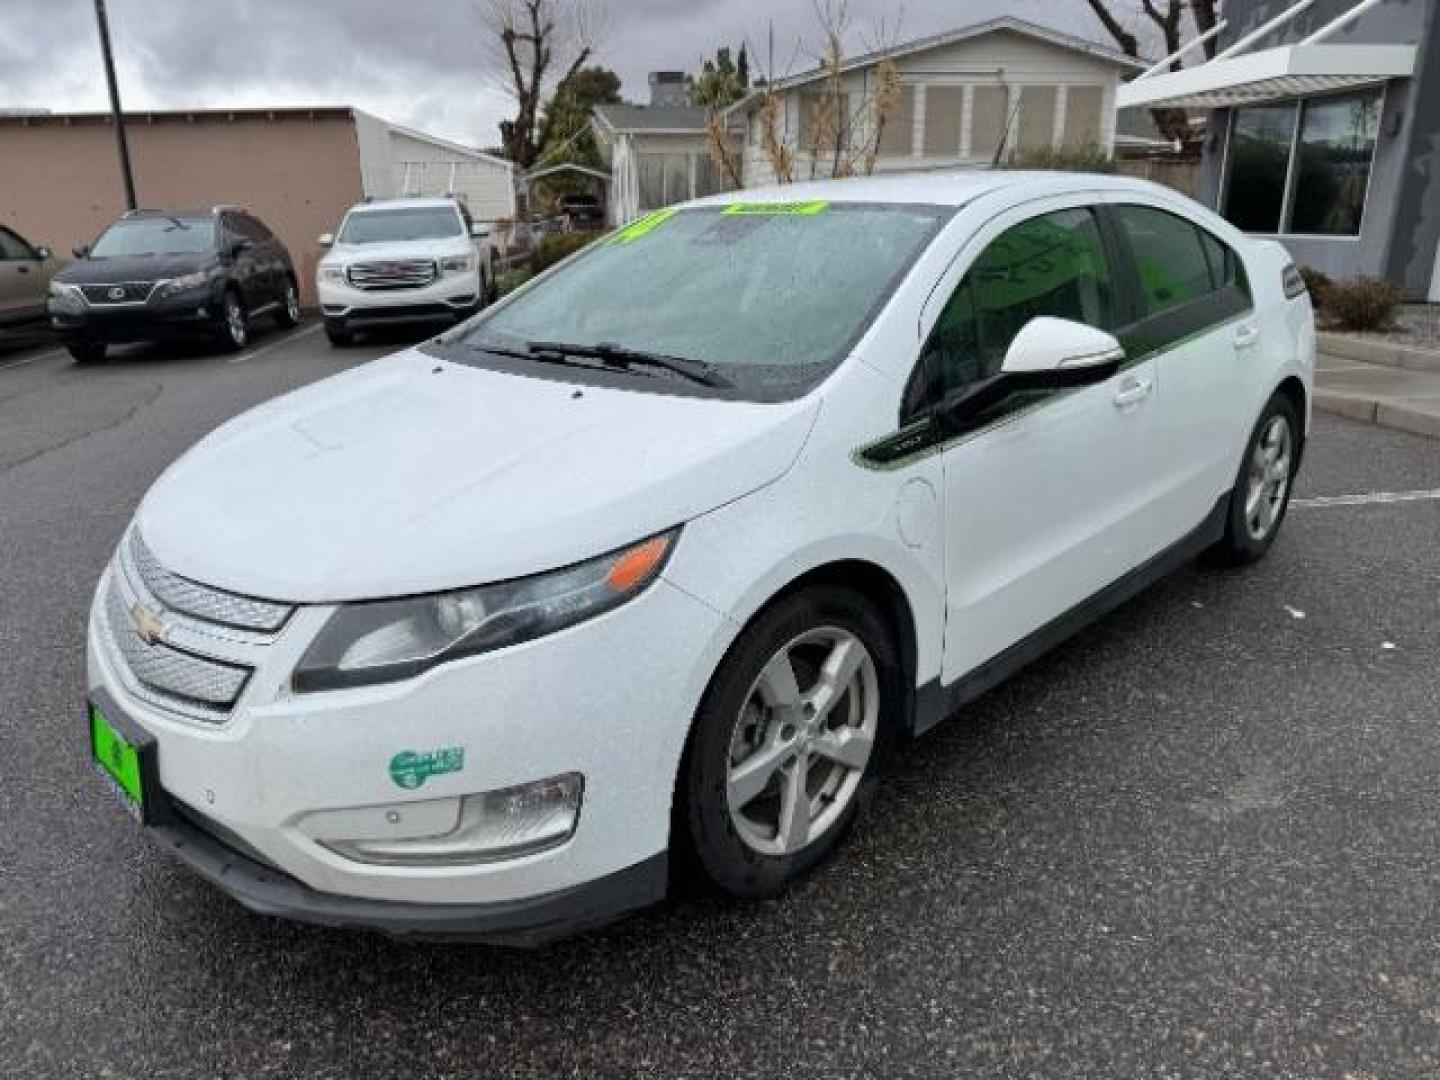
{"x": 1392, "y": 397}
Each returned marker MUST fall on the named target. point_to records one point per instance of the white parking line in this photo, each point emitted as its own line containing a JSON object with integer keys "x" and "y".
{"x": 286, "y": 340}
{"x": 1366, "y": 499}
{"x": 31, "y": 359}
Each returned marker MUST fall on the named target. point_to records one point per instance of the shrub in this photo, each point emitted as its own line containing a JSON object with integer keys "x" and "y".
{"x": 1363, "y": 303}
{"x": 511, "y": 280}
{"x": 552, "y": 249}
{"x": 1087, "y": 158}
{"x": 1317, "y": 284}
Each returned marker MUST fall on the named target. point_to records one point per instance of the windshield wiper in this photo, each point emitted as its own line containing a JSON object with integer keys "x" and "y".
{"x": 625, "y": 359}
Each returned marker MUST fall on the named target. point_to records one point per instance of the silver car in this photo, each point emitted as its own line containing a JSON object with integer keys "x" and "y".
{"x": 25, "y": 272}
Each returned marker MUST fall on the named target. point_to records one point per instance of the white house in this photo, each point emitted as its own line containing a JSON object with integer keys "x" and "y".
{"x": 658, "y": 153}
{"x": 399, "y": 161}
{"x": 966, "y": 95}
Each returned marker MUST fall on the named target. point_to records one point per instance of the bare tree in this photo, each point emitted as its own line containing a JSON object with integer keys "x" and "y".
{"x": 539, "y": 44}
{"x": 1167, "y": 18}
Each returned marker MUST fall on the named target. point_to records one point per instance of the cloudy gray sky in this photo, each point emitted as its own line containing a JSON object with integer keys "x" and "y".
{"x": 424, "y": 63}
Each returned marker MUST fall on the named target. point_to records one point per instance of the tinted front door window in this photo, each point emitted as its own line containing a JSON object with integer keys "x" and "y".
{"x": 1050, "y": 265}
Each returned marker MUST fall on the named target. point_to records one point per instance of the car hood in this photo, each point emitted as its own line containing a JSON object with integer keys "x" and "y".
{"x": 132, "y": 268}
{"x": 414, "y": 475}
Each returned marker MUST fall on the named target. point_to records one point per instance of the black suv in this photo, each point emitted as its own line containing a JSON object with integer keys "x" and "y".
{"x": 158, "y": 275}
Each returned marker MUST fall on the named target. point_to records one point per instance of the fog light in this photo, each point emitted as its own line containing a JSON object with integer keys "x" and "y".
{"x": 494, "y": 825}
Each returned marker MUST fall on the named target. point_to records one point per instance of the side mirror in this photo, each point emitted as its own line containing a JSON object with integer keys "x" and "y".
{"x": 1047, "y": 345}
{"x": 1047, "y": 354}
{"x": 81, "y": 252}
{"x": 326, "y": 239}
{"x": 42, "y": 253}
{"x": 480, "y": 230}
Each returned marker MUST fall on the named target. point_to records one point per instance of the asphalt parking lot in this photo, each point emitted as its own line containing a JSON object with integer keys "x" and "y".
{"x": 1199, "y": 840}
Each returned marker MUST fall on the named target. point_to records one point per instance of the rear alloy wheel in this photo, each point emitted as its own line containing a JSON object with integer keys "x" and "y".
{"x": 289, "y": 313}
{"x": 1262, "y": 489}
{"x": 234, "y": 327}
{"x": 788, "y": 742}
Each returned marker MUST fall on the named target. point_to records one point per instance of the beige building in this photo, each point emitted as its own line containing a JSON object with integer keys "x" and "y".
{"x": 998, "y": 86}
{"x": 298, "y": 169}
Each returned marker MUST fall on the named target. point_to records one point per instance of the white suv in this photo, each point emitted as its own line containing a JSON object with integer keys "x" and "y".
{"x": 404, "y": 261}
{"x": 646, "y": 567}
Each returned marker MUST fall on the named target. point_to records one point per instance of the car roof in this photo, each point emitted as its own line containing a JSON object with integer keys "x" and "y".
{"x": 938, "y": 187}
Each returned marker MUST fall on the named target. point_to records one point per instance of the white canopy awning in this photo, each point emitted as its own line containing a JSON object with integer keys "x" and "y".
{"x": 1272, "y": 74}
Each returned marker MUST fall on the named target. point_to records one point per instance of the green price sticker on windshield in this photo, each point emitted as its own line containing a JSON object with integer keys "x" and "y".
{"x": 777, "y": 209}
{"x": 643, "y": 227}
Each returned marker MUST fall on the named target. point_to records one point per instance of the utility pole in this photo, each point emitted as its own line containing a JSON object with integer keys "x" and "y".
{"x": 115, "y": 112}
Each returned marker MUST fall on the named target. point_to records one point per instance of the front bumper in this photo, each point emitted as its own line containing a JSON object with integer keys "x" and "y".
{"x": 529, "y": 922}
{"x": 610, "y": 698}
{"x": 449, "y": 297}
{"x": 184, "y": 315}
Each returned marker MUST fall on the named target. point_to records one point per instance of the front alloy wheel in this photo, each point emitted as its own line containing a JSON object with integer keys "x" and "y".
{"x": 788, "y": 741}
{"x": 234, "y": 328}
{"x": 289, "y": 313}
{"x": 802, "y": 741}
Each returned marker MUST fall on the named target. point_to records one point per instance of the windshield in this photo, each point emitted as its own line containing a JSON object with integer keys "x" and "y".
{"x": 773, "y": 296}
{"x": 156, "y": 236}
{"x": 415, "y": 223}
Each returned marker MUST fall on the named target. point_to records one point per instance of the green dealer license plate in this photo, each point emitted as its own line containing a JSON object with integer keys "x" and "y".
{"x": 119, "y": 762}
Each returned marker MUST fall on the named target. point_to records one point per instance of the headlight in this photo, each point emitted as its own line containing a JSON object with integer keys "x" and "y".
{"x": 456, "y": 264}
{"x": 385, "y": 640}
{"x": 185, "y": 283}
{"x": 331, "y": 272}
{"x": 66, "y": 294}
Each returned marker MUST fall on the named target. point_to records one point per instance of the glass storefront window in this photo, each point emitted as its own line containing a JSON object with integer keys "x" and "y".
{"x": 1337, "y": 141}
{"x": 1260, "y": 140}
{"x": 1328, "y": 178}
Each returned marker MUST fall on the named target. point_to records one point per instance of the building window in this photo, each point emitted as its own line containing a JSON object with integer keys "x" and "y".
{"x": 1337, "y": 141}
{"x": 1310, "y": 181}
{"x": 1260, "y": 140}
{"x": 987, "y": 120}
{"x": 1082, "y": 115}
{"x": 1036, "y": 124}
{"x": 824, "y": 122}
{"x": 897, "y": 137}
{"x": 943, "y": 105}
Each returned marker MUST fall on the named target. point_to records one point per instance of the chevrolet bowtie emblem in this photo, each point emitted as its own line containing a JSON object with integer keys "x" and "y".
{"x": 148, "y": 624}
{"x": 117, "y": 293}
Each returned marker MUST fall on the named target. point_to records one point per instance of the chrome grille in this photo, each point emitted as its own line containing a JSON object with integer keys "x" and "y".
{"x": 202, "y": 601}
{"x": 121, "y": 292}
{"x": 168, "y": 676}
{"x": 392, "y": 274}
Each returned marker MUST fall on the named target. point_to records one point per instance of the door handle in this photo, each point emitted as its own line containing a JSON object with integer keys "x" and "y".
{"x": 1246, "y": 336}
{"x": 1133, "y": 392}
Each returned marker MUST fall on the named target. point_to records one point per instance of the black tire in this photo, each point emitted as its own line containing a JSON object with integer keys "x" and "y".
{"x": 233, "y": 329}
{"x": 339, "y": 336}
{"x": 87, "y": 352}
{"x": 709, "y": 845}
{"x": 1249, "y": 536}
{"x": 287, "y": 316}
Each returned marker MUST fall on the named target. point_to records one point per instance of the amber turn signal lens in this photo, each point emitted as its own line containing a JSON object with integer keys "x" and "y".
{"x": 638, "y": 564}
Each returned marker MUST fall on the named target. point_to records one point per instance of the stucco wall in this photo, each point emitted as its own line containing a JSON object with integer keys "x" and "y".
{"x": 61, "y": 181}
{"x": 1402, "y": 214}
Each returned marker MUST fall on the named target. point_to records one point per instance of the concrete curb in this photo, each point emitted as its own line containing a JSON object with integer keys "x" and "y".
{"x": 1387, "y": 414}
{"x": 1378, "y": 352}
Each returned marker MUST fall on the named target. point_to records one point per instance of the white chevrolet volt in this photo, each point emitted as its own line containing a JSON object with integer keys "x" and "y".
{"x": 648, "y": 566}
